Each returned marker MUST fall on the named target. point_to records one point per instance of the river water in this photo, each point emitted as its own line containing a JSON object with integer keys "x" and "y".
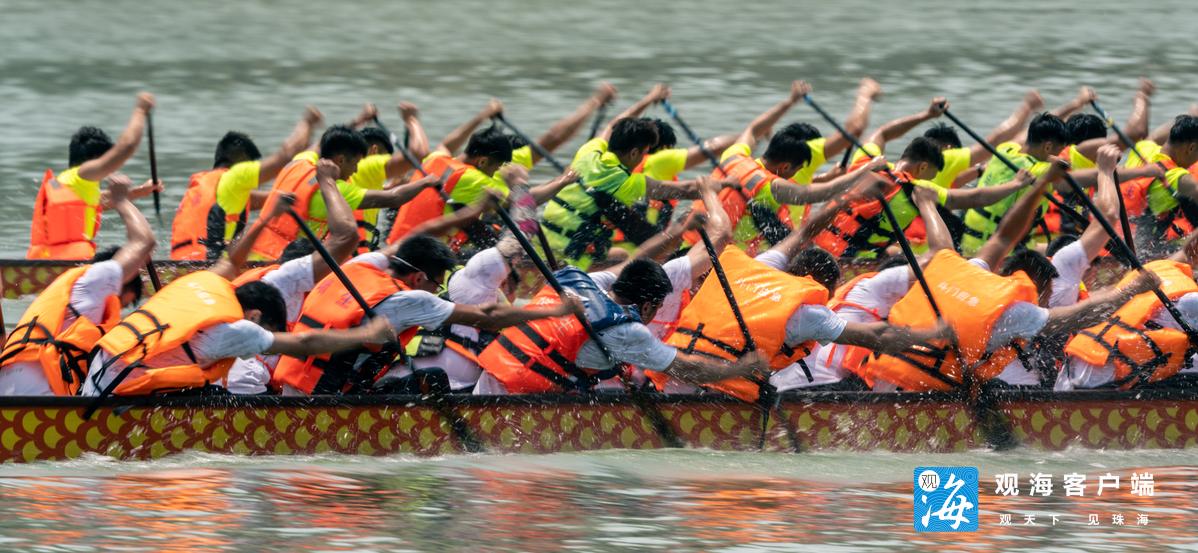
{"x": 254, "y": 64}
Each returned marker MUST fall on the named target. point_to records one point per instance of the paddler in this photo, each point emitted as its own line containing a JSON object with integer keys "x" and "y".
{"x": 400, "y": 283}
{"x": 961, "y": 164}
{"x": 822, "y": 148}
{"x": 383, "y": 164}
{"x": 66, "y": 213}
{"x": 215, "y": 205}
{"x": 345, "y": 147}
{"x": 47, "y": 352}
{"x": 1170, "y": 201}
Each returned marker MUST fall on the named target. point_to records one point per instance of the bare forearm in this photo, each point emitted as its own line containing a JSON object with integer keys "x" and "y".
{"x": 938, "y": 236}
{"x": 898, "y": 128}
{"x": 695, "y": 155}
{"x": 304, "y": 344}
{"x": 972, "y": 198}
{"x": 417, "y": 139}
{"x": 565, "y": 128}
{"x": 139, "y": 238}
{"x": 855, "y": 124}
{"x": 671, "y": 190}
{"x": 1090, "y": 312}
{"x": 445, "y": 224}
{"x": 457, "y": 137}
{"x": 699, "y": 370}
{"x": 1137, "y": 123}
{"x": 1008, "y": 130}
{"x": 547, "y": 191}
{"x": 115, "y": 157}
{"x": 395, "y": 196}
{"x": 503, "y": 316}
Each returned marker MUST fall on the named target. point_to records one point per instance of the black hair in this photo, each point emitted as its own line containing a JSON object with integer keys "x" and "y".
{"x": 632, "y": 133}
{"x": 943, "y": 135}
{"x": 788, "y": 148}
{"x": 421, "y": 252}
{"x": 342, "y": 140}
{"x": 491, "y": 143}
{"x": 818, "y": 264}
{"x": 234, "y": 147}
{"x": 1059, "y": 242}
{"x": 891, "y": 262}
{"x": 87, "y": 143}
{"x": 301, "y": 247}
{"x": 643, "y": 281}
{"x": 802, "y": 131}
{"x": 924, "y": 149}
{"x": 135, "y": 285}
{"x": 517, "y": 141}
{"x": 1047, "y": 127}
{"x": 666, "y": 138}
{"x": 1085, "y": 126}
{"x": 376, "y": 136}
{"x": 1184, "y": 130}
{"x": 1034, "y": 264}
{"x": 267, "y": 300}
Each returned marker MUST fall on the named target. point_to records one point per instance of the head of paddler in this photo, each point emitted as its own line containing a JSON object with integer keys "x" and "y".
{"x": 944, "y": 136}
{"x": 1046, "y": 136}
{"x": 1036, "y": 266}
{"x": 423, "y": 263}
{"x": 786, "y": 155}
{"x": 642, "y": 285}
{"x": 489, "y": 149}
{"x": 922, "y": 159}
{"x": 377, "y": 141}
{"x": 666, "y": 138}
{"x": 300, "y": 247}
{"x": 263, "y": 305}
{"x": 802, "y": 131}
{"x": 345, "y": 147}
{"x": 632, "y": 138}
{"x": 818, "y": 265}
{"x": 132, "y": 290}
{"x": 233, "y": 148}
{"x": 88, "y": 143}
{"x": 1085, "y": 126}
{"x": 1182, "y": 146}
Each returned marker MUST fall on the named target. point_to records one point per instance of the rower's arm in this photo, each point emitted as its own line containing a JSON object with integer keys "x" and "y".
{"x": 702, "y": 369}
{"x": 761, "y": 126}
{"x": 786, "y": 192}
{"x": 695, "y": 155}
{"x": 342, "y": 237}
{"x": 1106, "y": 199}
{"x": 903, "y": 125}
{"x": 565, "y": 128}
{"x": 671, "y": 190}
{"x": 295, "y": 143}
{"x": 457, "y": 138}
{"x": 397, "y": 195}
{"x": 656, "y": 94}
{"x": 239, "y": 251}
{"x": 1010, "y": 128}
{"x": 125, "y": 146}
{"x": 305, "y": 344}
{"x": 973, "y": 198}
{"x": 1136, "y": 128}
{"x": 497, "y": 317}
{"x": 1015, "y": 224}
{"x": 717, "y": 225}
{"x": 858, "y": 118}
{"x": 545, "y": 192}
{"x": 398, "y": 165}
{"x": 938, "y": 236}
{"x": 1077, "y": 103}
{"x": 460, "y": 218}
{"x": 884, "y": 337}
{"x": 1188, "y": 252}
{"x": 1098, "y": 307}
{"x": 139, "y": 237}
{"x": 1088, "y": 178}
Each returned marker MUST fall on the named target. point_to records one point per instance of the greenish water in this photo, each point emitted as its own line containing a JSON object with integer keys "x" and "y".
{"x": 253, "y": 65}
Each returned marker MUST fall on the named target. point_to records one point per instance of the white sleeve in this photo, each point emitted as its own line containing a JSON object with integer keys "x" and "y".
{"x": 1021, "y": 320}
{"x": 679, "y": 272}
{"x": 240, "y": 339}
{"x": 478, "y": 281}
{"x": 1187, "y": 305}
{"x": 773, "y": 259}
{"x": 91, "y": 291}
{"x": 883, "y": 290}
{"x": 637, "y": 346}
{"x": 980, "y": 263}
{"x": 813, "y": 322}
{"x": 293, "y": 280}
{"x": 377, "y": 259}
{"x": 412, "y": 308}
{"x": 604, "y": 280}
{"x": 1071, "y": 263}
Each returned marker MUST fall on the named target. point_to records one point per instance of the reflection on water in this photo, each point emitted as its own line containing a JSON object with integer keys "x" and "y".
{"x": 645, "y": 500}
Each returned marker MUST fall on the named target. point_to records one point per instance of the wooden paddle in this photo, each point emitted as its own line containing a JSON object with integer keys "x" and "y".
{"x": 639, "y": 398}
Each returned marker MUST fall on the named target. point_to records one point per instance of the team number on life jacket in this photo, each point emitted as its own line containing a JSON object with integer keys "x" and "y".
{"x": 955, "y": 292}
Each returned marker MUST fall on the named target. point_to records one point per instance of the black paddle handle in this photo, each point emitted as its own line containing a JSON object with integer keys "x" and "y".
{"x": 153, "y": 165}
{"x": 750, "y": 344}
{"x": 541, "y": 151}
{"x": 1118, "y": 132}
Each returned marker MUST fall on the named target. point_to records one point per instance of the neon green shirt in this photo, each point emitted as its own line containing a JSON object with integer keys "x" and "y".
{"x": 233, "y": 190}
{"x": 956, "y": 161}
{"x": 88, "y": 191}
{"x": 665, "y": 164}
{"x": 807, "y": 173}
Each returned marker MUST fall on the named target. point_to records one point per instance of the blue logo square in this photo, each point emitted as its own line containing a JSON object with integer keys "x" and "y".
{"x": 946, "y": 499}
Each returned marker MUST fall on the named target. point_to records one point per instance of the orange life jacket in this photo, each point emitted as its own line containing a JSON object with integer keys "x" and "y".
{"x": 330, "y": 305}
{"x": 167, "y": 322}
{"x": 254, "y": 275}
{"x": 857, "y": 222}
{"x": 299, "y": 178}
{"x": 767, "y": 298}
{"x": 752, "y": 178}
{"x": 39, "y": 336}
{"x": 1139, "y": 351}
{"x": 59, "y": 223}
{"x": 430, "y": 203}
{"x": 854, "y": 356}
{"x": 198, "y": 230}
{"x": 539, "y": 356}
{"x": 971, "y": 299}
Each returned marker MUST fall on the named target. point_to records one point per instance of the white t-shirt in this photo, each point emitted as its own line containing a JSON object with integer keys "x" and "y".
{"x": 877, "y": 295}
{"x": 1078, "y": 374}
{"x": 239, "y": 339}
{"x": 632, "y": 343}
{"x": 810, "y": 322}
{"x": 89, "y": 294}
{"x": 1071, "y": 263}
{"x": 409, "y": 308}
{"x": 293, "y": 279}
{"x": 679, "y": 272}
{"x": 476, "y": 284}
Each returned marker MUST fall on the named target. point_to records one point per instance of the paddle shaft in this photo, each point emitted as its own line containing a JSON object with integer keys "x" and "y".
{"x": 541, "y": 151}
{"x": 750, "y": 344}
{"x": 1118, "y": 132}
{"x": 1068, "y": 211}
{"x": 153, "y": 166}
{"x": 600, "y": 115}
{"x": 1124, "y": 222}
{"x": 1132, "y": 261}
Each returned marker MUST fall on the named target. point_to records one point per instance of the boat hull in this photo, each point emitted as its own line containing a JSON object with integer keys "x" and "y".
{"x": 44, "y": 429}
